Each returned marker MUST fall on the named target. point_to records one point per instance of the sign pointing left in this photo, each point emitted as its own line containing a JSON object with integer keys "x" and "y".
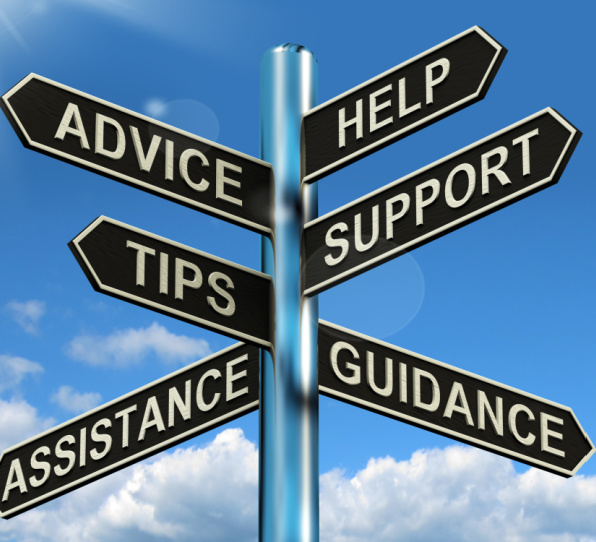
{"x": 91, "y": 133}
{"x": 148, "y": 270}
{"x": 184, "y": 404}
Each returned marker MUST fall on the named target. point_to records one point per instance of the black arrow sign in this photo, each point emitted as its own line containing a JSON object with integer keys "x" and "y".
{"x": 196, "y": 399}
{"x": 452, "y": 402}
{"x": 423, "y": 90}
{"x": 142, "y": 152}
{"x": 165, "y": 276}
{"x": 465, "y": 186}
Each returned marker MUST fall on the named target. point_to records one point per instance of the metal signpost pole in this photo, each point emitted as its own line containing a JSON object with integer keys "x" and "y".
{"x": 289, "y": 492}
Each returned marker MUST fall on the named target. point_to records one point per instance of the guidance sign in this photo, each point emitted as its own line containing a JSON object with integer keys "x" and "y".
{"x": 452, "y": 402}
{"x": 153, "y": 272}
{"x": 196, "y": 399}
{"x": 465, "y": 186}
{"x": 142, "y": 152}
{"x": 423, "y": 90}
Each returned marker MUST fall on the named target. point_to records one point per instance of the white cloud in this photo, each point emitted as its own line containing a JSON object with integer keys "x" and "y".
{"x": 211, "y": 493}
{"x": 73, "y": 401}
{"x": 128, "y": 347}
{"x": 205, "y": 494}
{"x": 456, "y": 494}
{"x": 19, "y": 421}
{"x": 13, "y": 369}
{"x": 27, "y": 314}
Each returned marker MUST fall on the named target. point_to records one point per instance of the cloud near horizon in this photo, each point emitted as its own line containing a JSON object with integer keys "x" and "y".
{"x": 211, "y": 494}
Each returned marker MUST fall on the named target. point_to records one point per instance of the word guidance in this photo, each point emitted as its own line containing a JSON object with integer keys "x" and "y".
{"x": 107, "y": 139}
{"x": 423, "y": 90}
{"x": 165, "y": 276}
{"x": 184, "y": 404}
{"x": 432, "y": 395}
{"x": 465, "y": 186}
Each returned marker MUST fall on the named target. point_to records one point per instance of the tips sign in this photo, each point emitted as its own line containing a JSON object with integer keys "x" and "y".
{"x": 153, "y": 272}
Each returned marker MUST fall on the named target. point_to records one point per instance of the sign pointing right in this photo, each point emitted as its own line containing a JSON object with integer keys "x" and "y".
{"x": 420, "y": 391}
{"x": 397, "y": 103}
{"x": 465, "y": 186}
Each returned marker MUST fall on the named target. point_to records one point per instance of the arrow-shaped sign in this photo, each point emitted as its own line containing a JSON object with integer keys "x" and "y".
{"x": 452, "y": 402}
{"x": 167, "y": 277}
{"x": 196, "y": 399}
{"x": 78, "y": 128}
{"x": 423, "y": 90}
{"x": 465, "y": 186}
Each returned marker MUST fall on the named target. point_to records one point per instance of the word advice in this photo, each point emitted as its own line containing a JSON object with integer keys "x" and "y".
{"x": 142, "y": 152}
{"x": 452, "y": 402}
{"x": 184, "y": 404}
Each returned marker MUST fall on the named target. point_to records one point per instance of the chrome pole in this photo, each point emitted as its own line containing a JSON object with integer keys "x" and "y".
{"x": 289, "y": 477}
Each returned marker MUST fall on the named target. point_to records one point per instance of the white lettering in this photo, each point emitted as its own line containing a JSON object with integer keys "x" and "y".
{"x": 494, "y": 170}
{"x": 175, "y": 399}
{"x": 515, "y": 410}
{"x": 221, "y": 180}
{"x": 100, "y": 122}
{"x": 374, "y": 108}
{"x": 184, "y": 158}
{"x": 335, "y": 349}
{"x": 204, "y": 407}
{"x": 442, "y": 63}
{"x": 151, "y": 410}
{"x": 421, "y": 203}
{"x": 403, "y": 109}
{"x": 457, "y": 394}
{"x": 16, "y": 472}
{"x": 72, "y": 112}
{"x": 357, "y": 120}
{"x": 525, "y": 141}
{"x": 496, "y": 419}
{"x": 70, "y": 455}
{"x": 344, "y": 244}
{"x": 471, "y": 174}
{"x": 370, "y": 375}
{"x": 390, "y": 218}
{"x": 229, "y": 309}
{"x": 101, "y": 438}
{"x": 180, "y": 282}
{"x": 360, "y": 246}
{"x": 145, "y": 160}
{"x": 546, "y": 432}
{"x": 125, "y": 423}
{"x": 418, "y": 374}
{"x": 141, "y": 252}
{"x": 40, "y": 465}
{"x": 231, "y": 377}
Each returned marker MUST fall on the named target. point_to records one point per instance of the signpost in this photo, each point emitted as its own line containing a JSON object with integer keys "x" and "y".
{"x": 137, "y": 266}
{"x": 151, "y": 271}
{"x": 465, "y": 186}
{"x": 423, "y": 90}
{"x": 184, "y": 404}
{"x": 452, "y": 402}
{"x": 70, "y": 125}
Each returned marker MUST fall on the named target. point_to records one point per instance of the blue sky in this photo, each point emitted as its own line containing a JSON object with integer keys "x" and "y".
{"x": 511, "y": 297}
